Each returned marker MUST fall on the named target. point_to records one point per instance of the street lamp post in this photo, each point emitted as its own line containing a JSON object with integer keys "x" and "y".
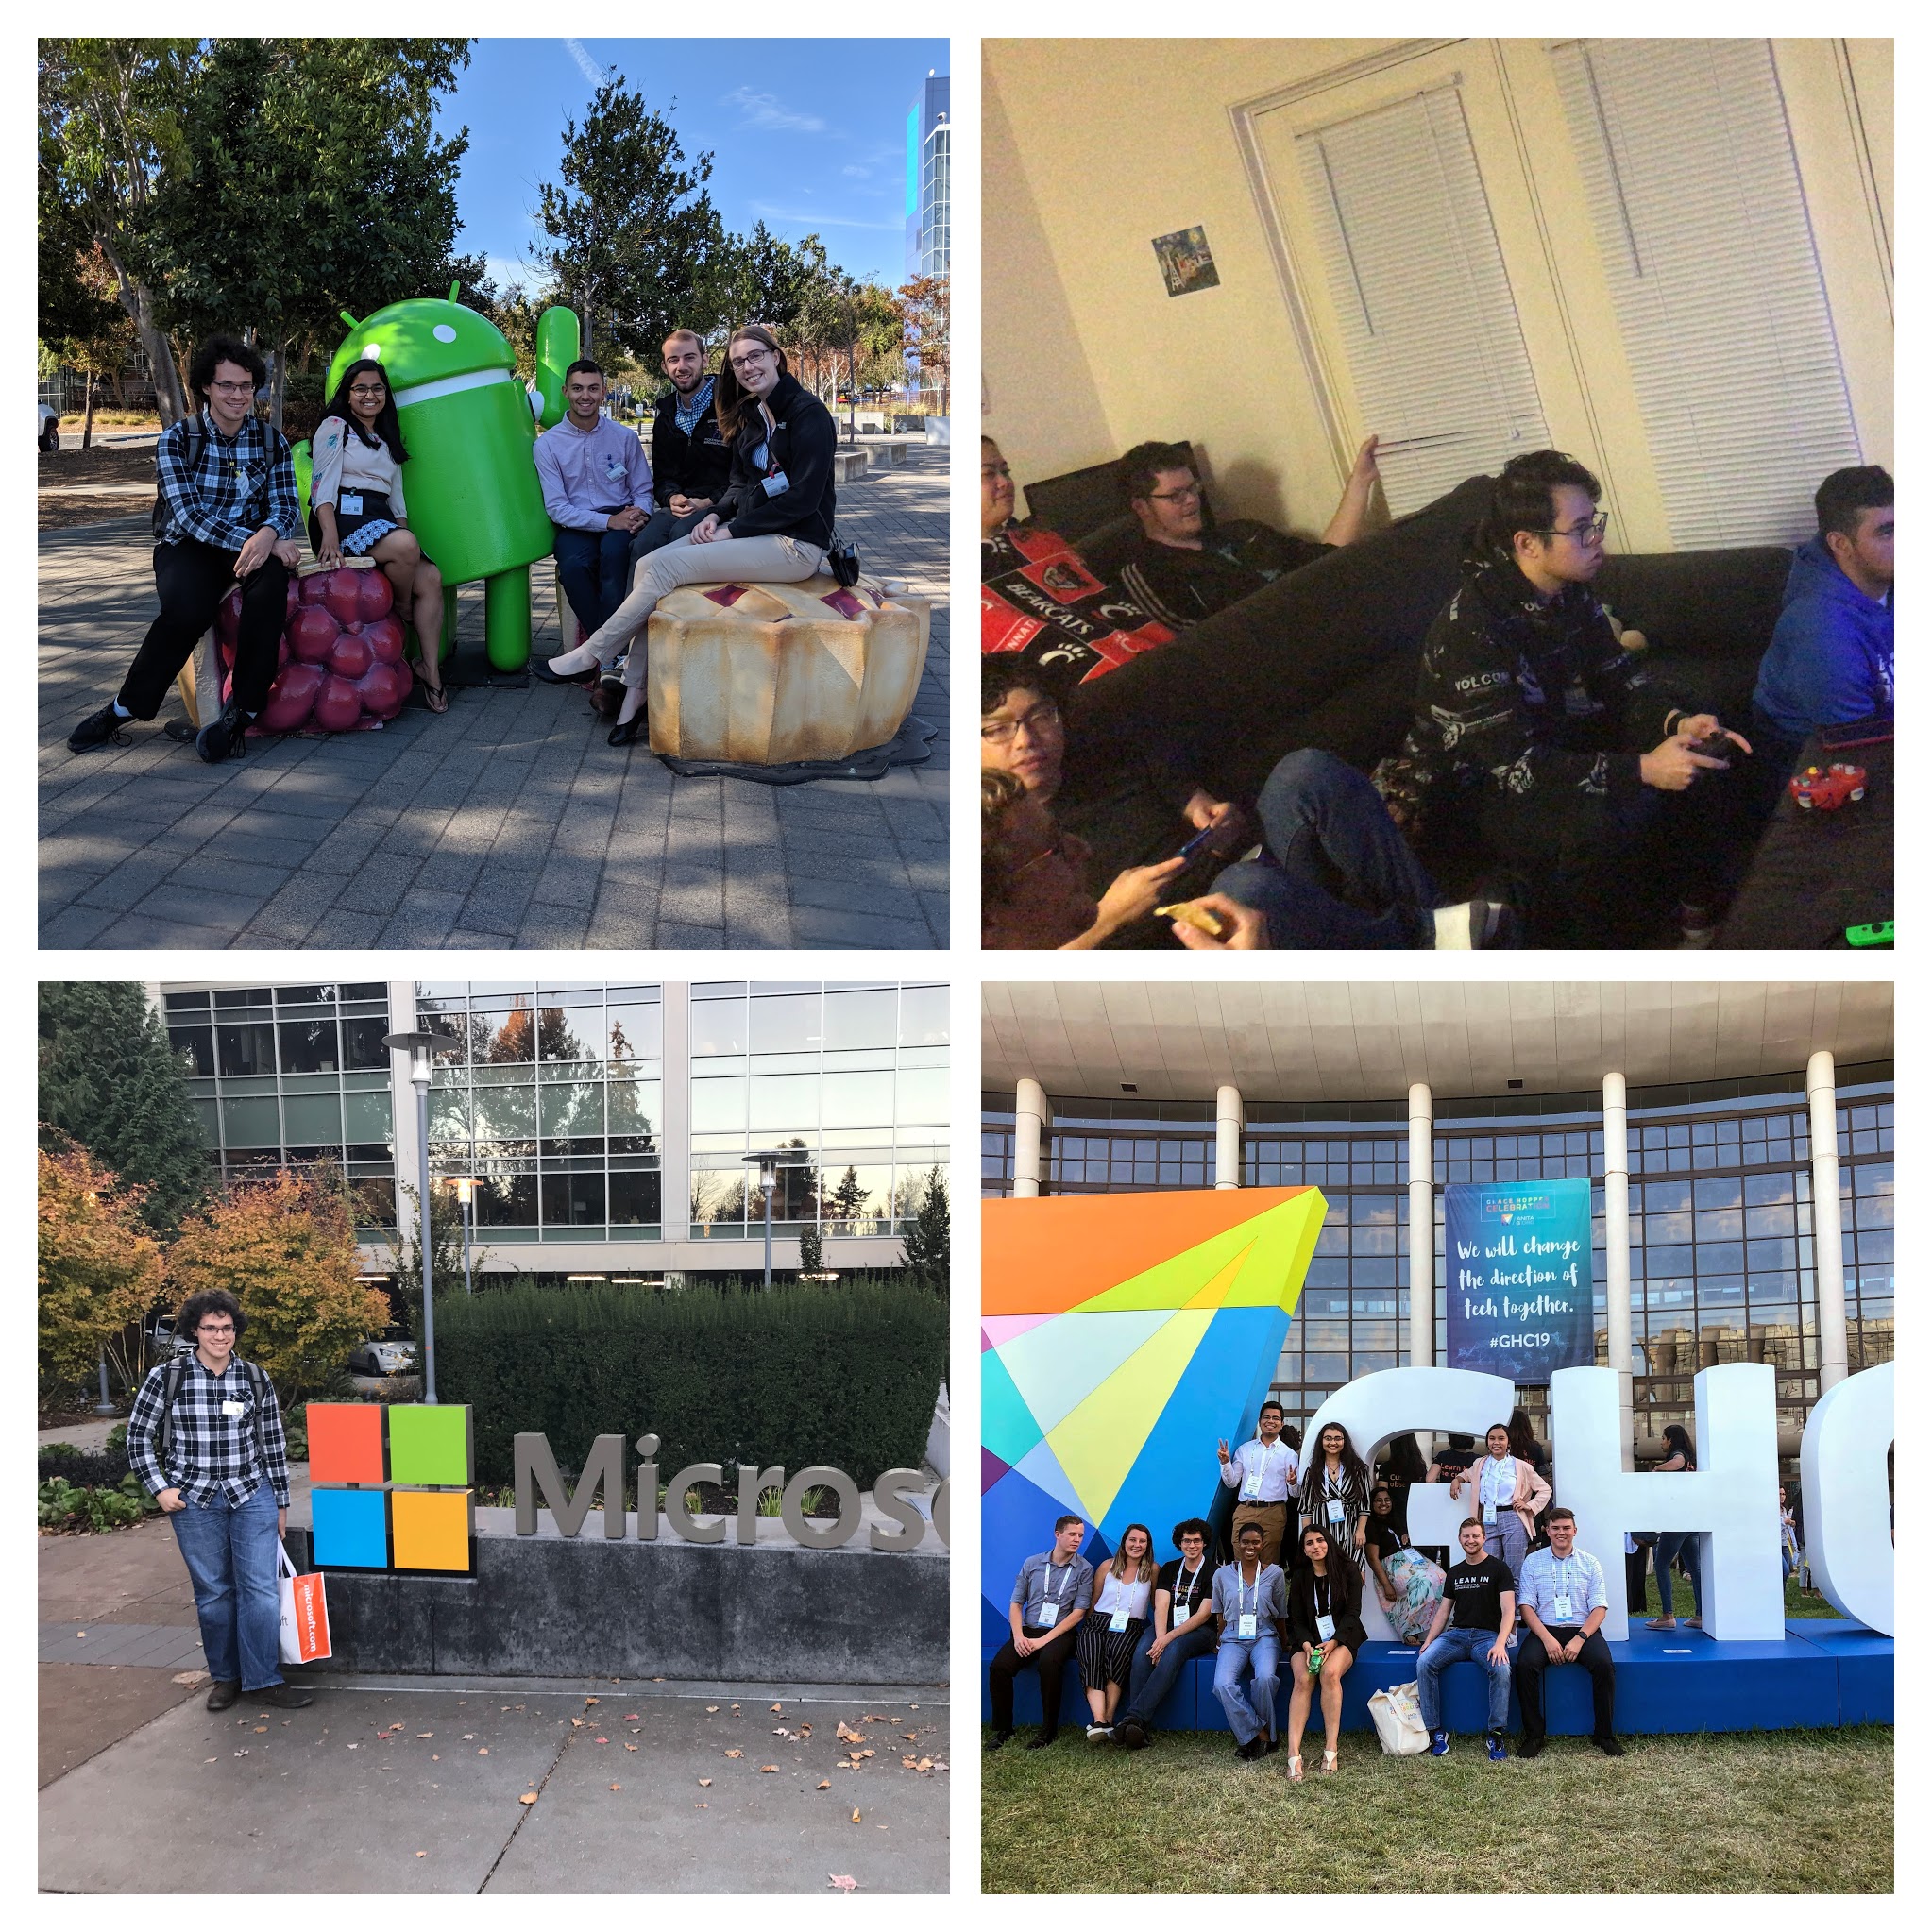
{"x": 419, "y": 1046}
{"x": 768, "y": 1163}
{"x": 465, "y": 1193}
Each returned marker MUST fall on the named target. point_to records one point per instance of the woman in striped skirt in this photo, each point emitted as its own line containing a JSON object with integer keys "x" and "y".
{"x": 1123, "y": 1594}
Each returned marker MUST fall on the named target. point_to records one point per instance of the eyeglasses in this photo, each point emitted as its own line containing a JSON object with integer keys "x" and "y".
{"x": 370, "y": 389}
{"x": 1185, "y": 495}
{"x": 233, "y": 388}
{"x": 1043, "y": 720}
{"x": 751, "y": 359}
{"x": 215, "y": 1329}
{"x": 1585, "y": 531}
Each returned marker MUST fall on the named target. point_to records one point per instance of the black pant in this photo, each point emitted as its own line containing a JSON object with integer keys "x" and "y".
{"x": 1532, "y": 1661}
{"x": 191, "y": 579}
{"x": 1050, "y": 1660}
{"x": 664, "y": 527}
{"x": 1635, "y": 1563}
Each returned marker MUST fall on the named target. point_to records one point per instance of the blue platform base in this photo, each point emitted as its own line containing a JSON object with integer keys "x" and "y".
{"x": 1826, "y": 1673}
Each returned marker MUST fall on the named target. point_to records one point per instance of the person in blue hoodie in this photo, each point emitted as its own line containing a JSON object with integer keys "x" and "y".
{"x": 1830, "y": 657}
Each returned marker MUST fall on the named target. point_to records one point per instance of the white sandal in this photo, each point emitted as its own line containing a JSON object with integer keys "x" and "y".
{"x": 1331, "y": 1762}
{"x": 1295, "y": 1768}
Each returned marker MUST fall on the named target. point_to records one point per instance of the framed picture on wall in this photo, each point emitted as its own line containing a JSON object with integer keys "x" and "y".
{"x": 1186, "y": 262}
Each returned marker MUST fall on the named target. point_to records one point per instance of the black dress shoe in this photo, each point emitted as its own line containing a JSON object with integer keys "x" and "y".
{"x": 288, "y": 1697}
{"x": 1133, "y": 1733}
{"x": 102, "y": 727}
{"x": 540, "y": 668}
{"x": 223, "y": 1692}
{"x": 1529, "y": 1747}
{"x": 998, "y": 1740}
{"x": 226, "y": 737}
{"x": 626, "y": 732}
{"x": 1608, "y": 1746}
{"x": 1041, "y": 1742}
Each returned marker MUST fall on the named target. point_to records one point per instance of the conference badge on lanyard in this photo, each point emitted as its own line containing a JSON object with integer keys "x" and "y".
{"x": 1325, "y": 1629}
{"x": 1246, "y": 1621}
{"x": 1561, "y": 1606}
{"x": 1049, "y": 1610}
{"x": 1338, "y": 1512}
{"x": 1183, "y": 1596}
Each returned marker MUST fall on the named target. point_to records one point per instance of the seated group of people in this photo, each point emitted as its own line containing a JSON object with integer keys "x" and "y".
{"x": 737, "y": 485}
{"x": 1131, "y": 1626}
{"x": 1537, "y": 727}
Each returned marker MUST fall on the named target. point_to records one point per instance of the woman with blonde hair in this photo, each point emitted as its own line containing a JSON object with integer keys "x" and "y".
{"x": 1123, "y": 1594}
{"x": 773, "y": 524}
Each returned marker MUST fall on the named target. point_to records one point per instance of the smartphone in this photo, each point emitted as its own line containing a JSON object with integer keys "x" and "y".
{"x": 1196, "y": 843}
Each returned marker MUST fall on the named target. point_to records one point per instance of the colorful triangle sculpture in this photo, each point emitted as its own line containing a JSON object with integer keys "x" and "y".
{"x": 1124, "y": 1335}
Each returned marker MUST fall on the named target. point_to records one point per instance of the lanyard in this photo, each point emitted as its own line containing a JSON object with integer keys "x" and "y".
{"x": 1240, "y": 1594}
{"x": 1045, "y": 1592}
{"x": 1324, "y": 1600}
{"x": 1186, "y": 1584}
{"x": 1495, "y": 1487}
{"x": 1563, "y": 1580}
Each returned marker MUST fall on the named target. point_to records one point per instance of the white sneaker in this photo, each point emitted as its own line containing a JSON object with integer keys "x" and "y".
{"x": 1099, "y": 1734}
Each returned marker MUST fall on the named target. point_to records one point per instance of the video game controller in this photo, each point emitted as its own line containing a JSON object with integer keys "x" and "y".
{"x": 1719, "y": 745}
{"x": 1825, "y": 790}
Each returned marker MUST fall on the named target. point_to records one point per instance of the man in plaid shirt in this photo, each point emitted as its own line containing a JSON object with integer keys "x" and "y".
{"x": 223, "y": 1482}
{"x": 228, "y": 489}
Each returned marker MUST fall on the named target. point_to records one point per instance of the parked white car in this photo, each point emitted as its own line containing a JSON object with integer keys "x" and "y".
{"x": 382, "y": 1358}
{"x": 48, "y": 433}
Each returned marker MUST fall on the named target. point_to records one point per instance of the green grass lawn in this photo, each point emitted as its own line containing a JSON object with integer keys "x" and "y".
{"x": 1734, "y": 1811}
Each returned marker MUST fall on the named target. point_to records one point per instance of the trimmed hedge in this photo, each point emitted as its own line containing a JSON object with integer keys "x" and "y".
{"x": 84, "y": 1469}
{"x": 845, "y": 1375}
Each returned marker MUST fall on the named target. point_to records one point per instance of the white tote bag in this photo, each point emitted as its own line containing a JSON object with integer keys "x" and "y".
{"x": 304, "y": 1612}
{"x": 1398, "y": 1714}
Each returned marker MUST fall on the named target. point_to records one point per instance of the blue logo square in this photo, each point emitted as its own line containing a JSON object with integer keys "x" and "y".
{"x": 350, "y": 1527}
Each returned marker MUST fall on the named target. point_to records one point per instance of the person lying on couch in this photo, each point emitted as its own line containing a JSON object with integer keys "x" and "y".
{"x": 1185, "y": 565}
{"x": 1830, "y": 657}
{"x": 1570, "y": 755}
{"x": 1334, "y": 873}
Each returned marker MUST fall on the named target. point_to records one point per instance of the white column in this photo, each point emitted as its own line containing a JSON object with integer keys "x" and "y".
{"x": 1421, "y": 1226}
{"x": 1029, "y": 1133}
{"x": 1617, "y": 1253}
{"x": 1827, "y": 1248}
{"x": 1227, "y": 1137}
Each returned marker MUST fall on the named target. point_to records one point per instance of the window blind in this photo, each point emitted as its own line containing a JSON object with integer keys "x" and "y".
{"x": 1701, "y": 225}
{"x": 1428, "y": 321}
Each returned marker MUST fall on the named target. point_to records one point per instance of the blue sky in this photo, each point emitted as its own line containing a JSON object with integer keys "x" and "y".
{"x": 807, "y": 136}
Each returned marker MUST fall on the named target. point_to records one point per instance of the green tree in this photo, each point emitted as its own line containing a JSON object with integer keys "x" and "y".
{"x": 110, "y": 135}
{"x": 926, "y": 1248}
{"x": 764, "y": 279}
{"x": 928, "y": 312}
{"x": 638, "y": 249}
{"x": 310, "y": 179}
{"x": 109, "y": 1082}
{"x": 811, "y": 1249}
{"x": 286, "y": 1250}
{"x": 846, "y": 1202}
{"x": 100, "y": 1268}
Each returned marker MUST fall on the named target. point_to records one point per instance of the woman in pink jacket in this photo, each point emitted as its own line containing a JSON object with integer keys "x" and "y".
{"x": 1508, "y": 1496}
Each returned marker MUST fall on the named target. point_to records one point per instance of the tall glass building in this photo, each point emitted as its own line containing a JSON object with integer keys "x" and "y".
{"x": 930, "y": 179}
{"x": 604, "y": 1126}
{"x": 1720, "y": 1198}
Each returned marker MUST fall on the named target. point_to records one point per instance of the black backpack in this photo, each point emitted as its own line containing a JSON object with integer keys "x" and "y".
{"x": 177, "y": 1373}
{"x": 196, "y": 439}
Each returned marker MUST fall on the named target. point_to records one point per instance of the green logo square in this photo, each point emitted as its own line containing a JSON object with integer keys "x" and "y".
{"x": 429, "y": 1444}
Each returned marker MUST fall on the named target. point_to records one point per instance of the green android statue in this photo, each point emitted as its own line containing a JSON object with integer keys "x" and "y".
{"x": 475, "y": 501}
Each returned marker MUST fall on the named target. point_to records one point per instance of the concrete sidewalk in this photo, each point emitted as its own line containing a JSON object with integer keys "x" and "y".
{"x": 342, "y": 1797}
{"x": 506, "y": 822}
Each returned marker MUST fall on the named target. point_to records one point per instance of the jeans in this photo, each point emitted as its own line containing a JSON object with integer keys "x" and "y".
{"x": 1533, "y": 1660}
{"x": 595, "y": 567}
{"x": 1149, "y": 1686}
{"x": 1462, "y": 1646}
{"x": 1670, "y": 1545}
{"x": 664, "y": 527}
{"x": 191, "y": 578}
{"x": 229, "y": 1551}
{"x": 1338, "y": 874}
{"x": 1252, "y": 1712}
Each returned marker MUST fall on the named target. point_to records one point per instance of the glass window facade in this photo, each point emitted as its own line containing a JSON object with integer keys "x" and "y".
{"x": 1721, "y": 1263}
{"x": 291, "y": 1075}
{"x": 849, "y": 1080}
{"x": 552, "y": 1099}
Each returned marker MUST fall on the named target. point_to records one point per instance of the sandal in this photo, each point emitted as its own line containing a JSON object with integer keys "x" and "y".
{"x": 436, "y": 698}
{"x": 1332, "y": 1763}
{"x": 1295, "y": 1768}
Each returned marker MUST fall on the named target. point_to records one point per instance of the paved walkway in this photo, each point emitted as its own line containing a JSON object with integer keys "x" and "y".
{"x": 352, "y": 1796}
{"x": 506, "y": 822}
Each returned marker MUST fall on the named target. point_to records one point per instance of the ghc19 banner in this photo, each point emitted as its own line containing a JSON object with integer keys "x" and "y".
{"x": 1519, "y": 1275}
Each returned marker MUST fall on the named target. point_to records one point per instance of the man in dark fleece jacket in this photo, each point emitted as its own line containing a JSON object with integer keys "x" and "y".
{"x": 1529, "y": 711}
{"x": 1830, "y": 657}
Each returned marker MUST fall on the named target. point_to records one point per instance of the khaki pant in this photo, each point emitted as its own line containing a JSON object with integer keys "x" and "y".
{"x": 1272, "y": 1517}
{"x": 730, "y": 560}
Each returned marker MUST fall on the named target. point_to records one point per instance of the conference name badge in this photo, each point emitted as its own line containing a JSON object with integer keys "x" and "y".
{"x": 1488, "y": 1512}
{"x": 1251, "y": 1489}
{"x": 1244, "y": 1626}
{"x": 233, "y": 1409}
{"x": 1325, "y": 1629}
{"x": 351, "y": 503}
{"x": 777, "y": 483}
{"x": 1179, "y": 1613}
{"x": 1561, "y": 1610}
{"x": 1337, "y": 1512}
{"x": 1117, "y": 1622}
{"x": 1049, "y": 1613}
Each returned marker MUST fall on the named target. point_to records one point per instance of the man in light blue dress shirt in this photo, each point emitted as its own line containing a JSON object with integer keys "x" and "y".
{"x": 1262, "y": 1471}
{"x": 1563, "y": 1603}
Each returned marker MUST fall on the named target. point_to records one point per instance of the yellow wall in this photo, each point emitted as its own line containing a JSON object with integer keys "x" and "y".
{"x": 1092, "y": 147}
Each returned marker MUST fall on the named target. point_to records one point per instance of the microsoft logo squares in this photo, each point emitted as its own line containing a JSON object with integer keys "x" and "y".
{"x": 391, "y": 1487}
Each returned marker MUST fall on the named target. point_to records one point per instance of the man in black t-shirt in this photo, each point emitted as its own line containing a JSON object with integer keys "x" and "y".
{"x": 1479, "y": 1606}
{"x": 1182, "y": 1627}
{"x": 1185, "y": 565}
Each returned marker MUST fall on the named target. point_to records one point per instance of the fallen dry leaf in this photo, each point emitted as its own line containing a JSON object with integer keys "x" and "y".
{"x": 435, "y": 1757}
{"x": 701, "y": 1806}
{"x": 425, "y": 1733}
{"x": 855, "y": 1818}
{"x": 767, "y": 1766}
{"x": 911, "y": 1763}
{"x": 630, "y": 1747}
{"x": 527, "y": 1798}
{"x": 632, "y": 1718}
{"x": 710, "y": 1706}
{"x": 603, "y": 1740}
{"x": 925, "y": 1764}
{"x": 778, "y": 1707}
{"x": 189, "y": 1677}
{"x": 843, "y": 1881}
{"x": 617, "y": 1788}
{"x": 482, "y": 1750}
{"x": 576, "y": 1723}
{"x": 705, "y": 1782}
{"x": 824, "y": 1783}
{"x": 589, "y": 1701}
{"x": 469, "y": 1737}
{"x": 423, "y": 1854}
{"x": 734, "y": 1754}
{"x": 260, "y": 1728}
{"x": 910, "y": 1737}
